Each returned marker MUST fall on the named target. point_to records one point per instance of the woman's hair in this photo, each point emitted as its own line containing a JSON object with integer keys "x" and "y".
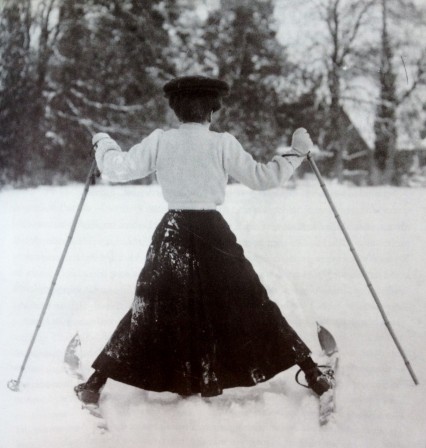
{"x": 195, "y": 106}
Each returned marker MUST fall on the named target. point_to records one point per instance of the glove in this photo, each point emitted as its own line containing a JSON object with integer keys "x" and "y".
{"x": 97, "y": 138}
{"x": 101, "y": 144}
{"x": 301, "y": 142}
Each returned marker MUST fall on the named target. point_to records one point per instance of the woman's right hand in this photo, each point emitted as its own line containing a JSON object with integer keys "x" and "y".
{"x": 97, "y": 138}
{"x": 101, "y": 144}
{"x": 301, "y": 142}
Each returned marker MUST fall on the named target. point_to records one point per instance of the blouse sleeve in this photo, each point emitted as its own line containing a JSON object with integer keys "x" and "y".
{"x": 258, "y": 176}
{"x": 138, "y": 162}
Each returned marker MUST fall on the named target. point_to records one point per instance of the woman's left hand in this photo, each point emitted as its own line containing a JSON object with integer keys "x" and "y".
{"x": 301, "y": 142}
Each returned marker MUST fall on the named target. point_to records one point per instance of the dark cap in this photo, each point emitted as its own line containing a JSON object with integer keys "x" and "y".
{"x": 194, "y": 84}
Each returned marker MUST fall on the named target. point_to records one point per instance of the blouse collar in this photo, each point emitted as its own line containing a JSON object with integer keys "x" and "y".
{"x": 194, "y": 125}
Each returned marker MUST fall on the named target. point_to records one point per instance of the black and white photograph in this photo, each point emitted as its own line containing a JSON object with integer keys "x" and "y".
{"x": 212, "y": 223}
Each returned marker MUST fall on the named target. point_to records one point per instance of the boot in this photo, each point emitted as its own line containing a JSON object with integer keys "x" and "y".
{"x": 90, "y": 391}
{"x": 320, "y": 381}
{"x": 87, "y": 395}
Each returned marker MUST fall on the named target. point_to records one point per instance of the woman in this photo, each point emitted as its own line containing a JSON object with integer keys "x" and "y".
{"x": 201, "y": 321}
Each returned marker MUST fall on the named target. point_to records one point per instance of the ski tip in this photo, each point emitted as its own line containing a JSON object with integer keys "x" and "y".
{"x": 74, "y": 343}
{"x": 72, "y": 355}
{"x": 326, "y": 340}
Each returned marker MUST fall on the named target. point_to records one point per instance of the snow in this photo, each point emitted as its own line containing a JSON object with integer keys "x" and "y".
{"x": 295, "y": 245}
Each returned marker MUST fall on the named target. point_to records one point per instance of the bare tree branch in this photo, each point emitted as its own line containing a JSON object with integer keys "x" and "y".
{"x": 93, "y": 126}
{"x": 110, "y": 106}
{"x": 420, "y": 79}
{"x": 356, "y": 27}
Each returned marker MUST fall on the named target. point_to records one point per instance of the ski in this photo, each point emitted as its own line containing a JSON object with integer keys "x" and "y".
{"x": 330, "y": 356}
{"x": 72, "y": 362}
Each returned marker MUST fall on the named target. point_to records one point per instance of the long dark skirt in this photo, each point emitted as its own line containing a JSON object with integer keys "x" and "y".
{"x": 201, "y": 321}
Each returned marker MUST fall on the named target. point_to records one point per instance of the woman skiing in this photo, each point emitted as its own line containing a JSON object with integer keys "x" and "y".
{"x": 200, "y": 321}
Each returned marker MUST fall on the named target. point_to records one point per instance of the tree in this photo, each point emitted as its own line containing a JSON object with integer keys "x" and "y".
{"x": 344, "y": 22}
{"x": 26, "y": 38}
{"x": 240, "y": 38}
{"x": 390, "y": 99}
{"x": 16, "y": 88}
{"x": 331, "y": 43}
{"x": 108, "y": 75}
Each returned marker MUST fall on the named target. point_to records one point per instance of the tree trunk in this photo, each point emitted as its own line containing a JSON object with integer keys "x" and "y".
{"x": 335, "y": 125}
{"x": 385, "y": 123}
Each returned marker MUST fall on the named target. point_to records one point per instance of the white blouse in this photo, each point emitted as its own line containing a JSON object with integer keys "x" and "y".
{"x": 192, "y": 165}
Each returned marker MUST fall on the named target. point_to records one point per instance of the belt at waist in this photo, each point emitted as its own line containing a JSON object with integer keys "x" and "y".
{"x": 192, "y": 206}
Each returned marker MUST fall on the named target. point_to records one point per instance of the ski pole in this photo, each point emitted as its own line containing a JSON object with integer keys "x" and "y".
{"x": 361, "y": 267}
{"x": 14, "y": 384}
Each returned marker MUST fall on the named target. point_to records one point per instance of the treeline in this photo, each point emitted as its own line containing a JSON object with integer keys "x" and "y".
{"x": 70, "y": 68}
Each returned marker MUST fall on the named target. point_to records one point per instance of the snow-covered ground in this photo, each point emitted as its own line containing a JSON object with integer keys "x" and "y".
{"x": 294, "y": 243}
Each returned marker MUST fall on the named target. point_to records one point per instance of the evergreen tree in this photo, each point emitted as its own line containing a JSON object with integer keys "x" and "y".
{"x": 109, "y": 74}
{"x": 16, "y": 91}
{"x": 26, "y": 38}
{"x": 385, "y": 123}
{"x": 242, "y": 37}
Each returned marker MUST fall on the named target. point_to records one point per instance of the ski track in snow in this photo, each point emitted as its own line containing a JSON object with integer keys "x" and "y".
{"x": 296, "y": 247}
